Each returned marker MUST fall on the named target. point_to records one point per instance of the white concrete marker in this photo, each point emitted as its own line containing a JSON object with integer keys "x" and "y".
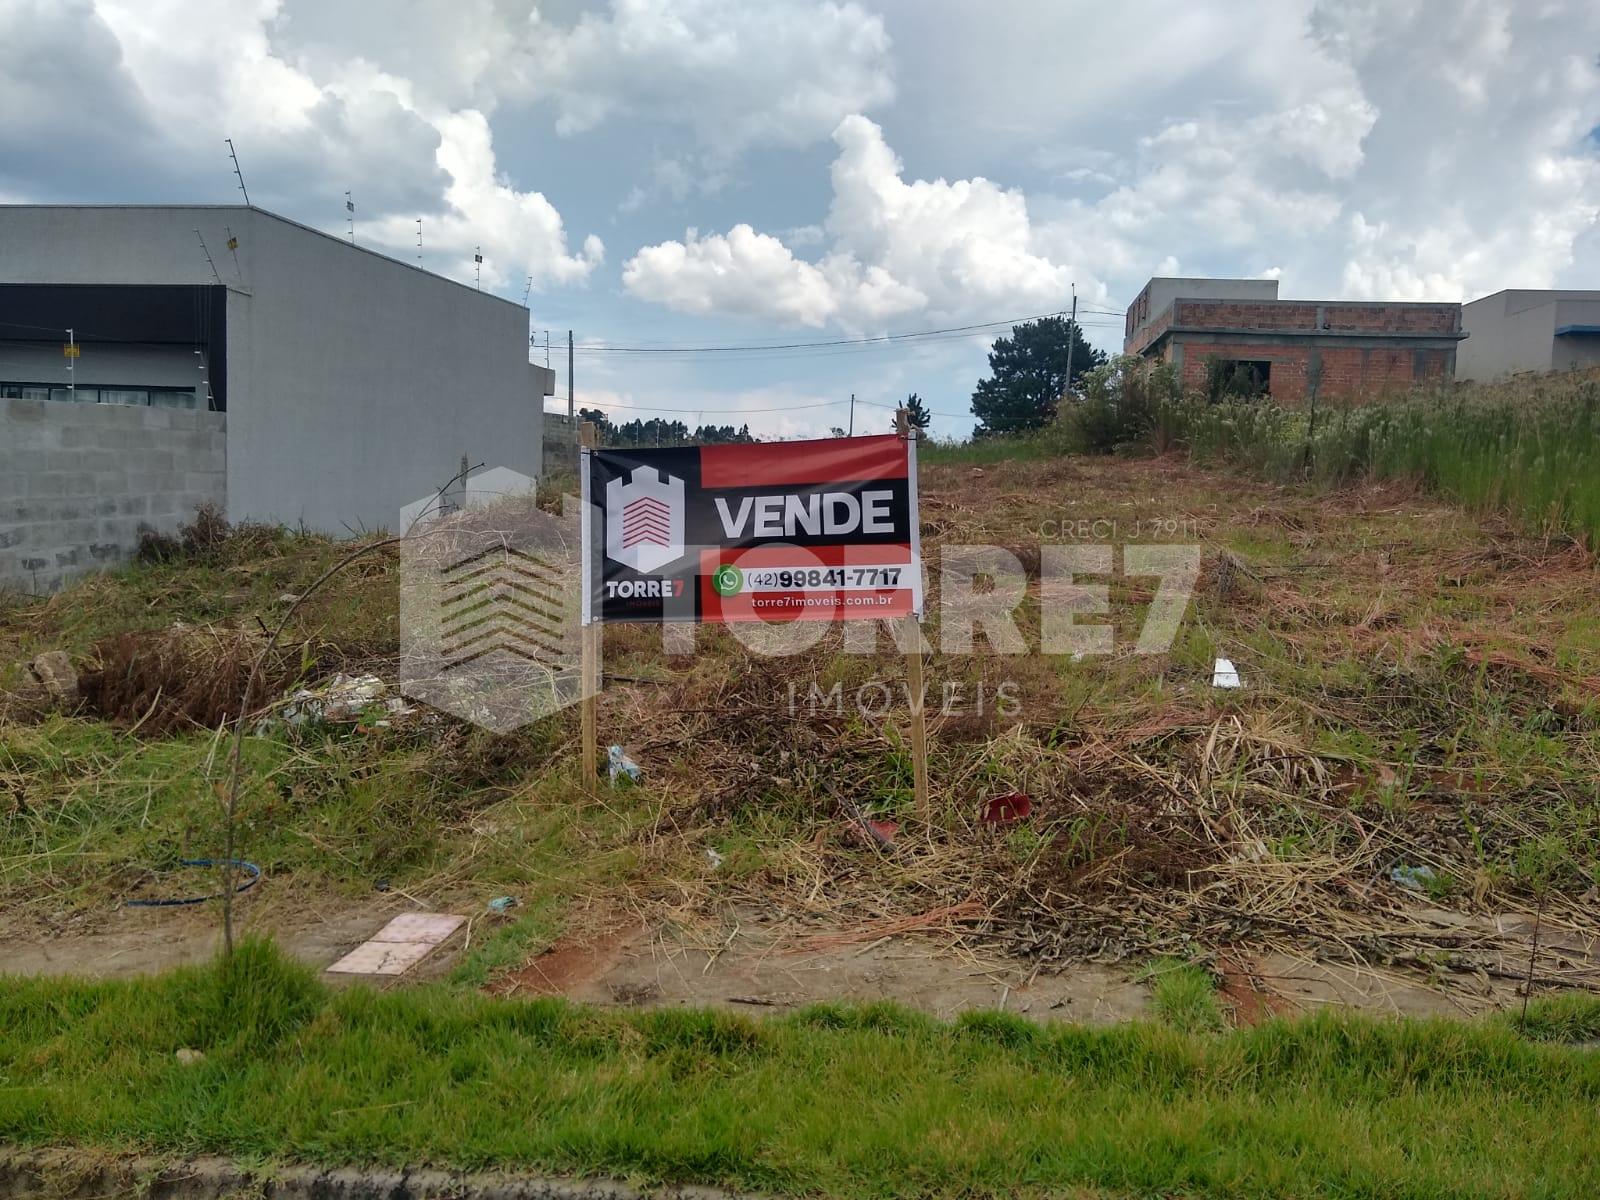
{"x": 399, "y": 945}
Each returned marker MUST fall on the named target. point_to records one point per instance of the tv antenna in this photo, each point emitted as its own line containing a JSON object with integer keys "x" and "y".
{"x": 350, "y": 216}
{"x": 477, "y": 266}
{"x": 526, "y": 291}
{"x": 234, "y": 154}
{"x": 419, "y": 241}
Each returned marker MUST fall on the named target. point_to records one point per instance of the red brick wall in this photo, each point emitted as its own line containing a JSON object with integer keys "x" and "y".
{"x": 1302, "y": 315}
{"x": 1135, "y": 343}
{"x": 1245, "y": 314}
{"x": 1346, "y": 370}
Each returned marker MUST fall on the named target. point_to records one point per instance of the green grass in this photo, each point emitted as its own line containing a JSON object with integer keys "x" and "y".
{"x": 461, "y": 813}
{"x": 1044, "y": 443}
{"x": 846, "y": 1102}
{"x": 1526, "y": 449}
{"x": 1184, "y": 996}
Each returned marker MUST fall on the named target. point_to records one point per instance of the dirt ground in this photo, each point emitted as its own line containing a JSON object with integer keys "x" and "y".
{"x": 1419, "y": 693}
{"x": 141, "y": 941}
{"x": 754, "y": 964}
{"x": 750, "y": 962}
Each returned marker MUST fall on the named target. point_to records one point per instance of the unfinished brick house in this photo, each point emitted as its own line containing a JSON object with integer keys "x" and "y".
{"x": 1291, "y": 349}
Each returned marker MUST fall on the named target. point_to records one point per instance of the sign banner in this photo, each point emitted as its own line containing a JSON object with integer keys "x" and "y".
{"x": 772, "y": 531}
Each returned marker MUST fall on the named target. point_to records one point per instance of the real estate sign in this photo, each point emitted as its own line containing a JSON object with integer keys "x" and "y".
{"x": 775, "y": 531}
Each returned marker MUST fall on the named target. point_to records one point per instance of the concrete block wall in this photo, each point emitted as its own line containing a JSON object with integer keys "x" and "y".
{"x": 560, "y": 438}
{"x": 78, "y": 482}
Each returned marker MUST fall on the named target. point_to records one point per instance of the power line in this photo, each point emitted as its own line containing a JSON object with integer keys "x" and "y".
{"x": 932, "y": 412}
{"x": 761, "y": 347}
{"x": 726, "y": 412}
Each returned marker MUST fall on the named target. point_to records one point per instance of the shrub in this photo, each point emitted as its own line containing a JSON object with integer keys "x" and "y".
{"x": 1125, "y": 406}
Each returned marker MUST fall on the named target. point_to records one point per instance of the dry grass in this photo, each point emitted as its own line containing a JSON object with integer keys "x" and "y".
{"x": 1421, "y": 690}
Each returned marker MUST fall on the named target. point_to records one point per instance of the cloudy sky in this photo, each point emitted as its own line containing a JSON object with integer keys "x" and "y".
{"x": 676, "y": 174}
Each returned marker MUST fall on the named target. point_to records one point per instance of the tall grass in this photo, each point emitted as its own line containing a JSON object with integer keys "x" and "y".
{"x": 1528, "y": 449}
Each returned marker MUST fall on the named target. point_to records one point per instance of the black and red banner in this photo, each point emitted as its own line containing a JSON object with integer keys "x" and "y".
{"x": 774, "y": 531}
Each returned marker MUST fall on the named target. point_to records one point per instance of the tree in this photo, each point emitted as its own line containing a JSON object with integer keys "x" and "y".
{"x": 603, "y": 428}
{"x": 917, "y": 413}
{"x": 658, "y": 431}
{"x": 1028, "y": 376}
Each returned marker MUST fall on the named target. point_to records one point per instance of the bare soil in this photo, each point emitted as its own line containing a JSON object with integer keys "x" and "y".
{"x": 143, "y": 941}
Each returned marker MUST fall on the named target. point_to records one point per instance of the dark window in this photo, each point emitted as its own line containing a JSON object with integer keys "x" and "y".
{"x": 96, "y": 394}
{"x": 1238, "y": 378}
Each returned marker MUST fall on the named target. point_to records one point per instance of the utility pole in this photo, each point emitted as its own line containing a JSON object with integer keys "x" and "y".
{"x": 572, "y": 420}
{"x": 852, "y": 414}
{"x": 1072, "y": 336}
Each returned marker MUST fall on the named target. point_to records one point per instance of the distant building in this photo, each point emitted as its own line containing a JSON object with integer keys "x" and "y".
{"x": 225, "y": 354}
{"x": 1291, "y": 348}
{"x": 1517, "y": 330}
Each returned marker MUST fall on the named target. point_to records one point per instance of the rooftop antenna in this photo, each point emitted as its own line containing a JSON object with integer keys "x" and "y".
{"x": 350, "y": 216}
{"x": 234, "y": 154}
{"x": 547, "y": 349}
{"x": 526, "y": 291}
{"x": 477, "y": 260}
{"x": 207, "y": 253}
{"x": 233, "y": 246}
{"x": 419, "y": 241}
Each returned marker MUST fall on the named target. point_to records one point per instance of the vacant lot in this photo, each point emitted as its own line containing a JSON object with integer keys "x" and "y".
{"x": 1420, "y": 693}
{"x": 1397, "y": 813}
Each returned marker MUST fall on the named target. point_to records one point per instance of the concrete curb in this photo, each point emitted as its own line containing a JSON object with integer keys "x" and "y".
{"x": 79, "y": 1174}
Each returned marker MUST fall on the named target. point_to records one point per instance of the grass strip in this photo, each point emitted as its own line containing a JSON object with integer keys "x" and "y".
{"x": 868, "y": 1101}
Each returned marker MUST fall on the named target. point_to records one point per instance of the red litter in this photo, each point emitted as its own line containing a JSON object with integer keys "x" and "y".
{"x": 1007, "y": 809}
{"x": 869, "y": 831}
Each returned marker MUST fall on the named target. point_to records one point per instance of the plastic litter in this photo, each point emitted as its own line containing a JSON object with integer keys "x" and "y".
{"x": 1007, "y": 809}
{"x": 1225, "y": 674}
{"x": 502, "y": 904}
{"x": 714, "y": 858}
{"x": 1417, "y": 879}
{"x": 621, "y": 766}
{"x": 342, "y": 698}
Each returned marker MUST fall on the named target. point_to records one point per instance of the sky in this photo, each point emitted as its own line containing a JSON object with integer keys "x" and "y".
{"x": 690, "y": 175}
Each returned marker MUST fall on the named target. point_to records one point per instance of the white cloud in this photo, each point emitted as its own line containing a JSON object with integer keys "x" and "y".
{"x": 520, "y": 232}
{"x": 781, "y": 72}
{"x": 1363, "y": 148}
{"x": 1482, "y": 171}
{"x": 741, "y": 270}
{"x": 174, "y": 77}
{"x": 893, "y": 248}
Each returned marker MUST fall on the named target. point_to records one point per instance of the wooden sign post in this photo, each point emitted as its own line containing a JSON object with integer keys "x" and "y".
{"x": 822, "y": 530}
{"x": 911, "y": 631}
{"x": 590, "y": 670}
